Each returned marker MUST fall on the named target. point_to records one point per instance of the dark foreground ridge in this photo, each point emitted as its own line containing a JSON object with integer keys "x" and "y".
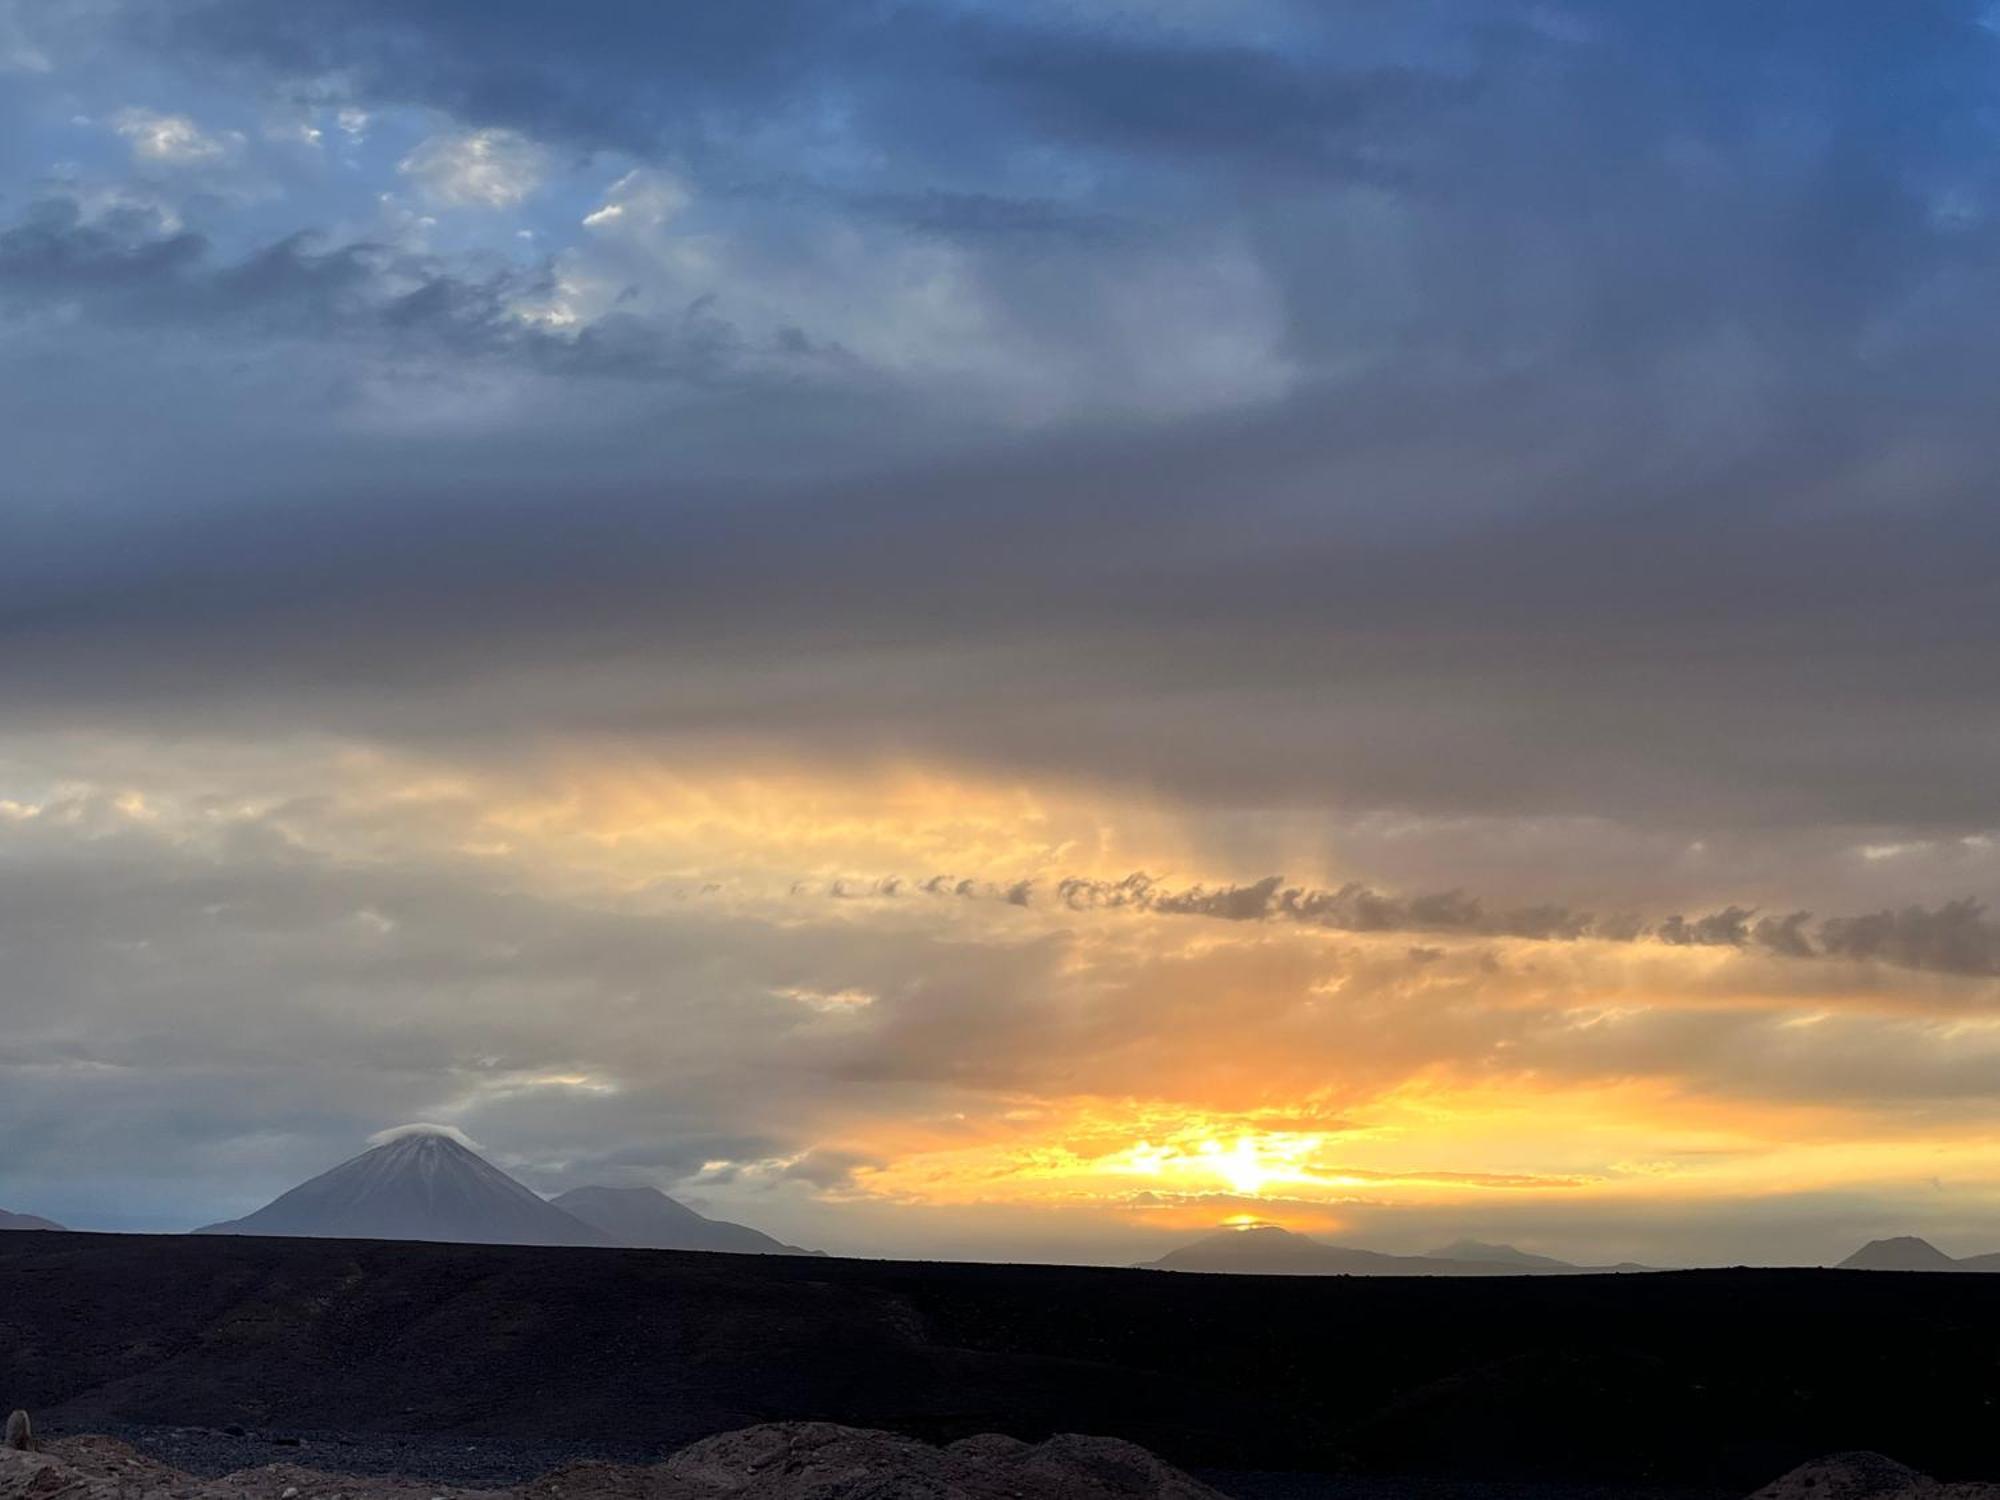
{"x": 819, "y": 1461}
{"x": 1714, "y": 1378}
{"x": 786, "y": 1461}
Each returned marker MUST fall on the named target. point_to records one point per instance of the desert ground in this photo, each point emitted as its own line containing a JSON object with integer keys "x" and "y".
{"x": 481, "y": 1366}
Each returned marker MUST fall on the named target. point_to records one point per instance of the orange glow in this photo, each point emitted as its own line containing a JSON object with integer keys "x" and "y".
{"x": 1175, "y": 1070}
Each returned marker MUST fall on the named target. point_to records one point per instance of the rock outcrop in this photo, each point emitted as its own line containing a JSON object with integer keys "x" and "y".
{"x": 647, "y": 1219}
{"x": 782, "y": 1461}
{"x": 821, "y": 1461}
{"x": 804, "y": 1461}
{"x": 1867, "y": 1476}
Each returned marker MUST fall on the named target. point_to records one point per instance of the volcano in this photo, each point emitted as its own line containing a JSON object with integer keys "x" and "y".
{"x": 647, "y": 1218}
{"x": 417, "y": 1185}
{"x": 1903, "y": 1253}
{"x": 25, "y": 1221}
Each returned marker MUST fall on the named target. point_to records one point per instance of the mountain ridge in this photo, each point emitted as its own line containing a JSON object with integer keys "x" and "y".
{"x": 1273, "y": 1251}
{"x": 1499, "y": 1255}
{"x": 26, "y": 1221}
{"x": 646, "y": 1218}
{"x": 1270, "y": 1250}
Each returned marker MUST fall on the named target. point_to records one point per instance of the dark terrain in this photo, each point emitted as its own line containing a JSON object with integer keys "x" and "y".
{"x": 1713, "y": 1380}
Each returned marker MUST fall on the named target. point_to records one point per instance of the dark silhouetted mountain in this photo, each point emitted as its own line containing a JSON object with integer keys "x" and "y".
{"x": 25, "y": 1221}
{"x": 1904, "y": 1253}
{"x": 1267, "y": 1250}
{"x": 418, "y": 1186}
{"x": 1480, "y": 1252}
{"x": 648, "y": 1219}
{"x": 1908, "y": 1253}
{"x": 1497, "y": 1255}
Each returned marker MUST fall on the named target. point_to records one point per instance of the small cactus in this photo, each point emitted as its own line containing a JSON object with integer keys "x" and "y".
{"x": 20, "y": 1434}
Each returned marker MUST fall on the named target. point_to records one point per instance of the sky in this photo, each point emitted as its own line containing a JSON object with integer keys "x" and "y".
{"x": 1010, "y": 631}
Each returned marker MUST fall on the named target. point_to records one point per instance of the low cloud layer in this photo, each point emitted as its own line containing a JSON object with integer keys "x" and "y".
{"x": 1955, "y": 938}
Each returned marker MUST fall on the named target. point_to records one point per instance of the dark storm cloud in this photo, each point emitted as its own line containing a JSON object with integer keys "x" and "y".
{"x": 650, "y": 79}
{"x": 622, "y": 74}
{"x": 1957, "y": 938}
{"x": 983, "y": 215}
{"x": 1176, "y": 99}
{"x": 1618, "y": 447}
{"x": 129, "y": 270}
{"x": 1442, "y": 672}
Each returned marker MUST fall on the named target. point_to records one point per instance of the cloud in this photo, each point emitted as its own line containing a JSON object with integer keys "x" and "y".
{"x": 830, "y": 1170}
{"x": 401, "y": 1132}
{"x": 1955, "y": 938}
{"x": 130, "y": 268}
{"x": 1729, "y": 928}
{"x": 638, "y": 201}
{"x": 174, "y": 140}
{"x": 1520, "y": 475}
{"x": 479, "y": 168}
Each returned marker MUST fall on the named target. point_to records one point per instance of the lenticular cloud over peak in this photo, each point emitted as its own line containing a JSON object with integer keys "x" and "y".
{"x": 402, "y": 1132}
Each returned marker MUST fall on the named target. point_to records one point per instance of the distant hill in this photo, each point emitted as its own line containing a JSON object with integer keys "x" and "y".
{"x": 1506, "y": 1255}
{"x": 419, "y": 1186}
{"x": 1267, "y": 1250}
{"x": 25, "y": 1221}
{"x": 1497, "y": 1255}
{"x": 1908, "y": 1253}
{"x": 647, "y": 1218}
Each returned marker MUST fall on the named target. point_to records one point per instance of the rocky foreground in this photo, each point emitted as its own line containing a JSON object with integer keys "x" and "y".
{"x": 1708, "y": 1382}
{"x": 805, "y": 1461}
{"x": 782, "y": 1461}
{"x": 1867, "y": 1476}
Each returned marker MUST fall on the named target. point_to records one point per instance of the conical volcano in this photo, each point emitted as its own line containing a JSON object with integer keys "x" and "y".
{"x": 1903, "y": 1253}
{"x": 417, "y": 1186}
{"x": 25, "y": 1221}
